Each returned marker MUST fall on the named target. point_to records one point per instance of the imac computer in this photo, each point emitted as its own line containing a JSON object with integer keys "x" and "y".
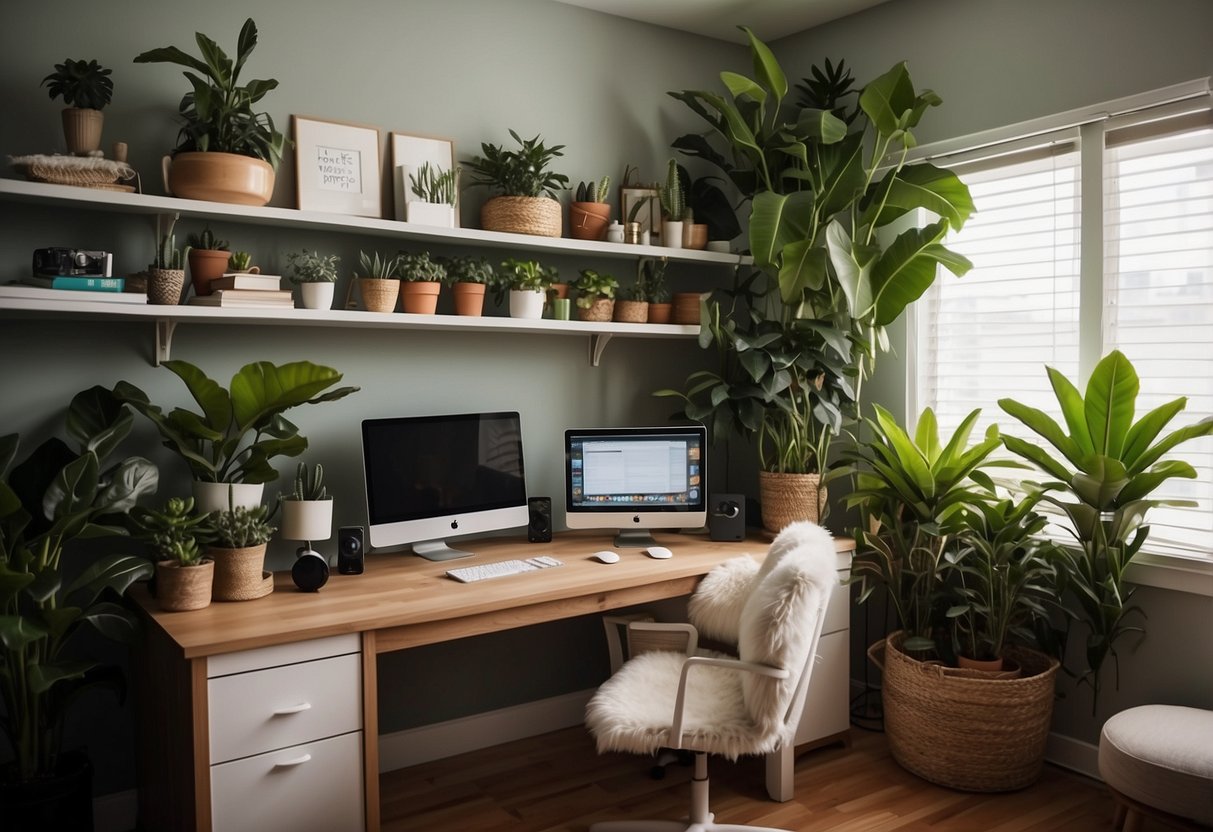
{"x": 635, "y": 480}
{"x": 433, "y": 477}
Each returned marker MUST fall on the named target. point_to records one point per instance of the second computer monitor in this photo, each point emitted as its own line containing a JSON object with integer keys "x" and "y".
{"x": 635, "y": 480}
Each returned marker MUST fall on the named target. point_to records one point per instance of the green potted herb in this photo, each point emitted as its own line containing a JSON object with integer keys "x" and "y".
{"x": 177, "y": 533}
{"x": 436, "y": 191}
{"x": 589, "y": 212}
{"x": 208, "y": 258}
{"x": 595, "y": 295}
{"x": 85, "y": 88}
{"x": 651, "y": 277}
{"x": 226, "y": 150}
{"x": 242, "y": 534}
{"x": 527, "y": 282}
{"x": 228, "y": 446}
{"x": 378, "y": 281}
{"x": 525, "y": 188}
{"x": 53, "y": 590}
{"x": 469, "y": 278}
{"x": 307, "y": 511}
{"x": 315, "y": 275}
{"x": 422, "y": 284}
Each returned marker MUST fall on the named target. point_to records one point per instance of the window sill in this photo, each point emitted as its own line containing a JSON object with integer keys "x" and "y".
{"x": 1170, "y": 572}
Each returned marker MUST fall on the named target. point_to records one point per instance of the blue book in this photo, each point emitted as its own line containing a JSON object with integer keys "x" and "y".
{"x": 78, "y": 284}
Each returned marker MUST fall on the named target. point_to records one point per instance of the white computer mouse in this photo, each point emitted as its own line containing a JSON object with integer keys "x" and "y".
{"x": 659, "y": 552}
{"x": 606, "y": 557}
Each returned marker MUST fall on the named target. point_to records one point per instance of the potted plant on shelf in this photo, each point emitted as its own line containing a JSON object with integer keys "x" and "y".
{"x": 525, "y": 200}
{"x": 226, "y": 152}
{"x": 208, "y": 259}
{"x": 61, "y": 493}
{"x": 468, "y": 277}
{"x": 422, "y": 284}
{"x": 177, "y": 533}
{"x": 714, "y": 219}
{"x": 241, "y": 262}
{"x": 307, "y": 511}
{"x": 437, "y": 190}
{"x": 673, "y": 207}
{"x": 631, "y": 305}
{"x": 377, "y": 281}
{"x": 796, "y": 339}
{"x": 527, "y": 282}
{"x": 229, "y": 444}
{"x": 86, "y": 89}
{"x": 166, "y": 272}
{"x": 651, "y": 276}
{"x": 1107, "y": 467}
{"x": 242, "y": 534}
{"x": 595, "y": 295}
{"x": 589, "y": 212}
{"x": 315, "y": 275}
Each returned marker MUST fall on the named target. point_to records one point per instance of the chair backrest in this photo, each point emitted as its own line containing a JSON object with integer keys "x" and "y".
{"x": 781, "y": 625}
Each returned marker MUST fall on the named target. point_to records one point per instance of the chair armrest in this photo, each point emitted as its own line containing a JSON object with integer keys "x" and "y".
{"x": 645, "y": 637}
{"x": 612, "y": 623}
{"x": 708, "y": 661}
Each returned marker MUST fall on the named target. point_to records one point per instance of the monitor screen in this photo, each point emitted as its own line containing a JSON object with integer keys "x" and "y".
{"x": 635, "y": 479}
{"x": 431, "y": 477}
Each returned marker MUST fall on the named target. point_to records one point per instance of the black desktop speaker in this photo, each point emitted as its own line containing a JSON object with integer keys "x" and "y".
{"x": 539, "y": 527}
{"x": 350, "y": 551}
{"x": 311, "y": 570}
{"x": 726, "y": 517}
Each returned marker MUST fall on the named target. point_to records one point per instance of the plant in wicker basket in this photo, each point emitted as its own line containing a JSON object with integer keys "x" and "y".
{"x": 166, "y": 272}
{"x": 526, "y": 187}
{"x": 177, "y": 534}
{"x": 238, "y": 550}
{"x": 378, "y": 281}
{"x": 595, "y": 295}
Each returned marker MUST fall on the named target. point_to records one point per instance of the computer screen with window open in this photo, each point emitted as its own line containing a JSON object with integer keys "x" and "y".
{"x": 635, "y": 480}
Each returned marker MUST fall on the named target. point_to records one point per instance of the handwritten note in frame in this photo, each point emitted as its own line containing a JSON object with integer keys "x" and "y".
{"x": 336, "y": 166}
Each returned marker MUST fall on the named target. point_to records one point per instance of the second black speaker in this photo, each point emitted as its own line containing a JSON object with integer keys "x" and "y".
{"x": 539, "y": 526}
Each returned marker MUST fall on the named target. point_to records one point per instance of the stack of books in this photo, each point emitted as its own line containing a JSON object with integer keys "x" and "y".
{"x": 239, "y": 289}
{"x": 71, "y": 287}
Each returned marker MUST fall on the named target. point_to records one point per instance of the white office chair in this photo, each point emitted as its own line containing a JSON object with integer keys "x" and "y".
{"x": 714, "y": 704}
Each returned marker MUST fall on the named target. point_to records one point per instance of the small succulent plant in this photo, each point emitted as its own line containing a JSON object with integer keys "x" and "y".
{"x": 240, "y": 527}
{"x": 376, "y": 268}
{"x": 309, "y": 485}
{"x": 588, "y": 192}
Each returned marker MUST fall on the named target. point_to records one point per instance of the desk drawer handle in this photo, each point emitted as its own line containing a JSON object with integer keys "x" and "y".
{"x": 293, "y": 709}
{"x": 298, "y": 761}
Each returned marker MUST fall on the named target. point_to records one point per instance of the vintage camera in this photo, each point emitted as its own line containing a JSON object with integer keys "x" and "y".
{"x": 72, "y": 261}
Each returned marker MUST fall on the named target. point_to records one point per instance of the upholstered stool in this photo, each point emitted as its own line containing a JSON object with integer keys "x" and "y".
{"x": 1158, "y": 761}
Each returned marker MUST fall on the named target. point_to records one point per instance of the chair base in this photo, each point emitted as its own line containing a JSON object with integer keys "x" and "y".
{"x": 675, "y": 826}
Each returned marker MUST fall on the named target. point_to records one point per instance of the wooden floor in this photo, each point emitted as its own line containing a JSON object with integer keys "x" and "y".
{"x": 557, "y": 782}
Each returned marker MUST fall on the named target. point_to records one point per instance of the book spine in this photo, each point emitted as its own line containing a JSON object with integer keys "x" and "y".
{"x": 89, "y": 284}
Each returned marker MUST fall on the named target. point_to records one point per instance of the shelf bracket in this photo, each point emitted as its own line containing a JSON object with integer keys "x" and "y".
{"x": 164, "y": 341}
{"x": 598, "y": 342}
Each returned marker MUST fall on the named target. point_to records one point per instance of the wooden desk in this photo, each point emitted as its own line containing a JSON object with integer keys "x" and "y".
{"x": 399, "y": 602}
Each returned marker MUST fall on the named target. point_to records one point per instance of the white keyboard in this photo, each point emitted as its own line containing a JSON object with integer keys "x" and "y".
{"x": 484, "y": 571}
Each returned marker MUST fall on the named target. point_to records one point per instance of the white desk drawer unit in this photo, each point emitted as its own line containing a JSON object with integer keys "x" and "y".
{"x": 285, "y": 727}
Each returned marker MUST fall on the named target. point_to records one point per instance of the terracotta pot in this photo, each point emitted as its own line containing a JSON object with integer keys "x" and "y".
{"x": 695, "y": 235}
{"x": 589, "y": 220}
{"x": 659, "y": 313}
{"x": 379, "y": 295}
{"x": 82, "y": 130}
{"x": 207, "y": 265}
{"x": 469, "y": 299}
{"x": 787, "y": 498}
{"x": 180, "y": 588}
{"x": 601, "y": 310}
{"x": 632, "y": 311}
{"x": 219, "y": 177}
{"x": 317, "y": 295}
{"x": 686, "y": 307}
{"x": 419, "y": 297}
{"x": 536, "y": 215}
{"x": 240, "y": 573}
{"x": 165, "y": 286}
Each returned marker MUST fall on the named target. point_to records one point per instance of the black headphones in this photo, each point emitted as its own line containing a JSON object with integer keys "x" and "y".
{"x": 311, "y": 569}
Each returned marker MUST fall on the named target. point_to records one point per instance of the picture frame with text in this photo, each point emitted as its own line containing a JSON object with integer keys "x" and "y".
{"x": 337, "y": 166}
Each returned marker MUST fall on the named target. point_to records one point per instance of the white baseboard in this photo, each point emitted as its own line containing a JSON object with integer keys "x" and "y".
{"x": 116, "y": 812}
{"x": 446, "y": 739}
{"x": 1073, "y": 754}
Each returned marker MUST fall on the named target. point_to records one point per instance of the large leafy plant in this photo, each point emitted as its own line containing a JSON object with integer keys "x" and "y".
{"x": 1104, "y": 467}
{"x": 521, "y": 172}
{"x": 796, "y": 339}
{"x": 82, "y": 84}
{"x": 218, "y": 112}
{"x": 59, "y": 494}
{"x": 240, "y": 429}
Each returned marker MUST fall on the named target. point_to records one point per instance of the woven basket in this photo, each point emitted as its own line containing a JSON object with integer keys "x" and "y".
{"x": 379, "y": 295}
{"x": 181, "y": 588}
{"x": 632, "y": 311}
{"x": 239, "y": 575}
{"x": 522, "y": 215}
{"x": 787, "y": 498}
{"x": 962, "y": 728}
{"x": 164, "y": 286}
{"x": 602, "y": 310}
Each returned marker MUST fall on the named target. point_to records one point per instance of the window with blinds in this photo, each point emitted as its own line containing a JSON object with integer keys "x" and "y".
{"x": 1032, "y": 299}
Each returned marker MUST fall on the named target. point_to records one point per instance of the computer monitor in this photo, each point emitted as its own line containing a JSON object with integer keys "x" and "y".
{"x": 635, "y": 480}
{"x": 432, "y": 477}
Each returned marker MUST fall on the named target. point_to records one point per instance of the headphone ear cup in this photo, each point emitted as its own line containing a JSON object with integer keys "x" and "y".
{"x": 726, "y": 519}
{"x": 311, "y": 571}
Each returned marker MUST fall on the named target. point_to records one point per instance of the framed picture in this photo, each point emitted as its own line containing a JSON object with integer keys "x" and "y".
{"x": 409, "y": 152}
{"x": 648, "y": 214}
{"x": 336, "y": 166}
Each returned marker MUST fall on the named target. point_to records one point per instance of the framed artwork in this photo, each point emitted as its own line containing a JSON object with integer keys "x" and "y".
{"x": 409, "y": 152}
{"x": 336, "y": 166}
{"x": 648, "y": 214}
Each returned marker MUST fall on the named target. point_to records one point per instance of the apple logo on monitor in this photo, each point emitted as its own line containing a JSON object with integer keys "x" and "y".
{"x": 454, "y": 524}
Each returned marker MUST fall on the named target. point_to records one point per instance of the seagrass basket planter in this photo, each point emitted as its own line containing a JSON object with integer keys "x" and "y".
{"x": 967, "y": 729}
{"x": 787, "y": 498}
{"x": 240, "y": 574}
{"x": 601, "y": 310}
{"x": 536, "y": 215}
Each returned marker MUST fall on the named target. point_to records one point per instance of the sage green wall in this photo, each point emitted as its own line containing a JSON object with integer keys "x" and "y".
{"x": 466, "y": 69}
{"x": 996, "y": 63}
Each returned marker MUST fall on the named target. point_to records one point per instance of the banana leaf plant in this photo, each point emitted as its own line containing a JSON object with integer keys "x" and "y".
{"x": 62, "y": 493}
{"x": 242, "y": 428}
{"x": 797, "y": 339}
{"x": 1104, "y": 468}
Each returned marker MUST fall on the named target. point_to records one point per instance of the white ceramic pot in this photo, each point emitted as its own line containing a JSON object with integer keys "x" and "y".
{"x": 317, "y": 295}
{"x": 213, "y": 496}
{"x": 526, "y": 304}
{"x": 671, "y": 234}
{"x": 431, "y": 213}
{"x": 309, "y": 520}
